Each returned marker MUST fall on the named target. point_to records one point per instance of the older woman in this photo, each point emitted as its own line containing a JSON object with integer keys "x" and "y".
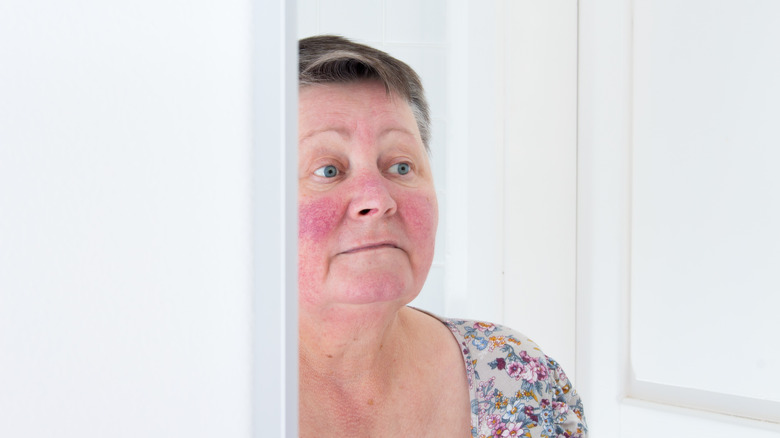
{"x": 369, "y": 365}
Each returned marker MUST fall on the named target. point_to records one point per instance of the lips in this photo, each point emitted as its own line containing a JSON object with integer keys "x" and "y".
{"x": 371, "y": 247}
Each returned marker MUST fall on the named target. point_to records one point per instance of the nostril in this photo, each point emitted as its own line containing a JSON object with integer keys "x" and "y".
{"x": 365, "y": 211}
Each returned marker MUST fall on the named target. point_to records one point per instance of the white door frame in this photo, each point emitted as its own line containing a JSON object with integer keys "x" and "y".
{"x": 275, "y": 218}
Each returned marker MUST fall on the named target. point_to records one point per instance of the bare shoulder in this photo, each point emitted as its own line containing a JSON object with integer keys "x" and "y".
{"x": 438, "y": 362}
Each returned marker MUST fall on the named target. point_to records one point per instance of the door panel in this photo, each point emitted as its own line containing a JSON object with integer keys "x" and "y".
{"x": 677, "y": 204}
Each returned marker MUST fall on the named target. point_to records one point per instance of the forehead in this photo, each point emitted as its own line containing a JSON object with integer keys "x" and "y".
{"x": 349, "y": 107}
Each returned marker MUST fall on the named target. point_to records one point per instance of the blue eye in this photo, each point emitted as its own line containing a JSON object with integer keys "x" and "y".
{"x": 328, "y": 171}
{"x": 400, "y": 168}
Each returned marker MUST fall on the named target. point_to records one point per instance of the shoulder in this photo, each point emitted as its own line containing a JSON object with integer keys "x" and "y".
{"x": 486, "y": 335}
{"x": 488, "y": 343}
{"x": 514, "y": 384}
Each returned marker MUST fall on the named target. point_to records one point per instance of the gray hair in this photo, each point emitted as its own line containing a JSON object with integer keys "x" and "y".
{"x": 329, "y": 59}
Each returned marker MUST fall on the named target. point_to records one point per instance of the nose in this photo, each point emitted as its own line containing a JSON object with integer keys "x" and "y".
{"x": 372, "y": 198}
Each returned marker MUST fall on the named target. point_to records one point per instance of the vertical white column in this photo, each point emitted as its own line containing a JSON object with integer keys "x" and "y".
{"x": 274, "y": 166}
{"x": 473, "y": 168}
{"x": 540, "y": 174}
{"x": 603, "y": 135}
{"x": 125, "y": 219}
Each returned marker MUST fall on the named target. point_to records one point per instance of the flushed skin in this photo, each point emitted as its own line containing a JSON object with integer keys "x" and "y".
{"x": 367, "y": 224}
{"x": 368, "y": 217}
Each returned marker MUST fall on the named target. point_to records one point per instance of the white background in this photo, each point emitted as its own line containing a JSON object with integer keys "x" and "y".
{"x": 605, "y": 171}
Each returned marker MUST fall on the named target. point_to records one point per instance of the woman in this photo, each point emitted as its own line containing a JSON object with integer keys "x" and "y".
{"x": 370, "y": 365}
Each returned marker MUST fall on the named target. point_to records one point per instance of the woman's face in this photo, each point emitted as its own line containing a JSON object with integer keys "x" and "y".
{"x": 367, "y": 205}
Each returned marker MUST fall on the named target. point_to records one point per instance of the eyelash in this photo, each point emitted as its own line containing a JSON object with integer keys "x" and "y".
{"x": 328, "y": 170}
{"x": 406, "y": 165}
{"x": 325, "y": 174}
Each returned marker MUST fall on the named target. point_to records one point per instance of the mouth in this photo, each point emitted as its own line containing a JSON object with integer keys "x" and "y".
{"x": 371, "y": 247}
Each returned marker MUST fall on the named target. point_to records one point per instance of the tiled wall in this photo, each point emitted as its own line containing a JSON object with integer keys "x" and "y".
{"x": 417, "y": 33}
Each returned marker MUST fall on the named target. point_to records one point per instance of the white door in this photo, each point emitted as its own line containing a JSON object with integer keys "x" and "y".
{"x": 146, "y": 241}
{"x": 678, "y": 206}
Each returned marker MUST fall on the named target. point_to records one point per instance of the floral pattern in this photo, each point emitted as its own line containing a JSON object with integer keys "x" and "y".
{"x": 516, "y": 390}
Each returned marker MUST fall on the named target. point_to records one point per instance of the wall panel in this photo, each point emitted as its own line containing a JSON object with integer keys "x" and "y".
{"x": 125, "y": 232}
{"x": 706, "y": 198}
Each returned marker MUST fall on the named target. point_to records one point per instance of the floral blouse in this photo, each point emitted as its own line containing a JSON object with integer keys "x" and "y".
{"x": 516, "y": 390}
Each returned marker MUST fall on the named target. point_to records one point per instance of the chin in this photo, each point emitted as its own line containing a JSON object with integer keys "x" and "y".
{"x": 371, "y": 288}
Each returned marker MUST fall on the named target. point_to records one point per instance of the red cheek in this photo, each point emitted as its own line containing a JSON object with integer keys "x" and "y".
{"x": 317, "y": 218}
{"x": 421, "y": 214}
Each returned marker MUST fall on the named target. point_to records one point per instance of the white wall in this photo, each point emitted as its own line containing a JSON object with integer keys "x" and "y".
{"x": 125, "y": 234}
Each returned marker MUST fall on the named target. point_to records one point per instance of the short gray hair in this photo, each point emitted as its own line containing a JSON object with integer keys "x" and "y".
{"x": 330, "y": 59}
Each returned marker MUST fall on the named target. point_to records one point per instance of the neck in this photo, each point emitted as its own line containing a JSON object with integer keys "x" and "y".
{"x": 361, "y": 370}
{"x": 352, "y": 346}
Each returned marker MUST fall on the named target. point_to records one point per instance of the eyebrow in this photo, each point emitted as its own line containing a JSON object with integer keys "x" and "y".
{"x": 343, "y": 132}
{"x": 394, "y": 130}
